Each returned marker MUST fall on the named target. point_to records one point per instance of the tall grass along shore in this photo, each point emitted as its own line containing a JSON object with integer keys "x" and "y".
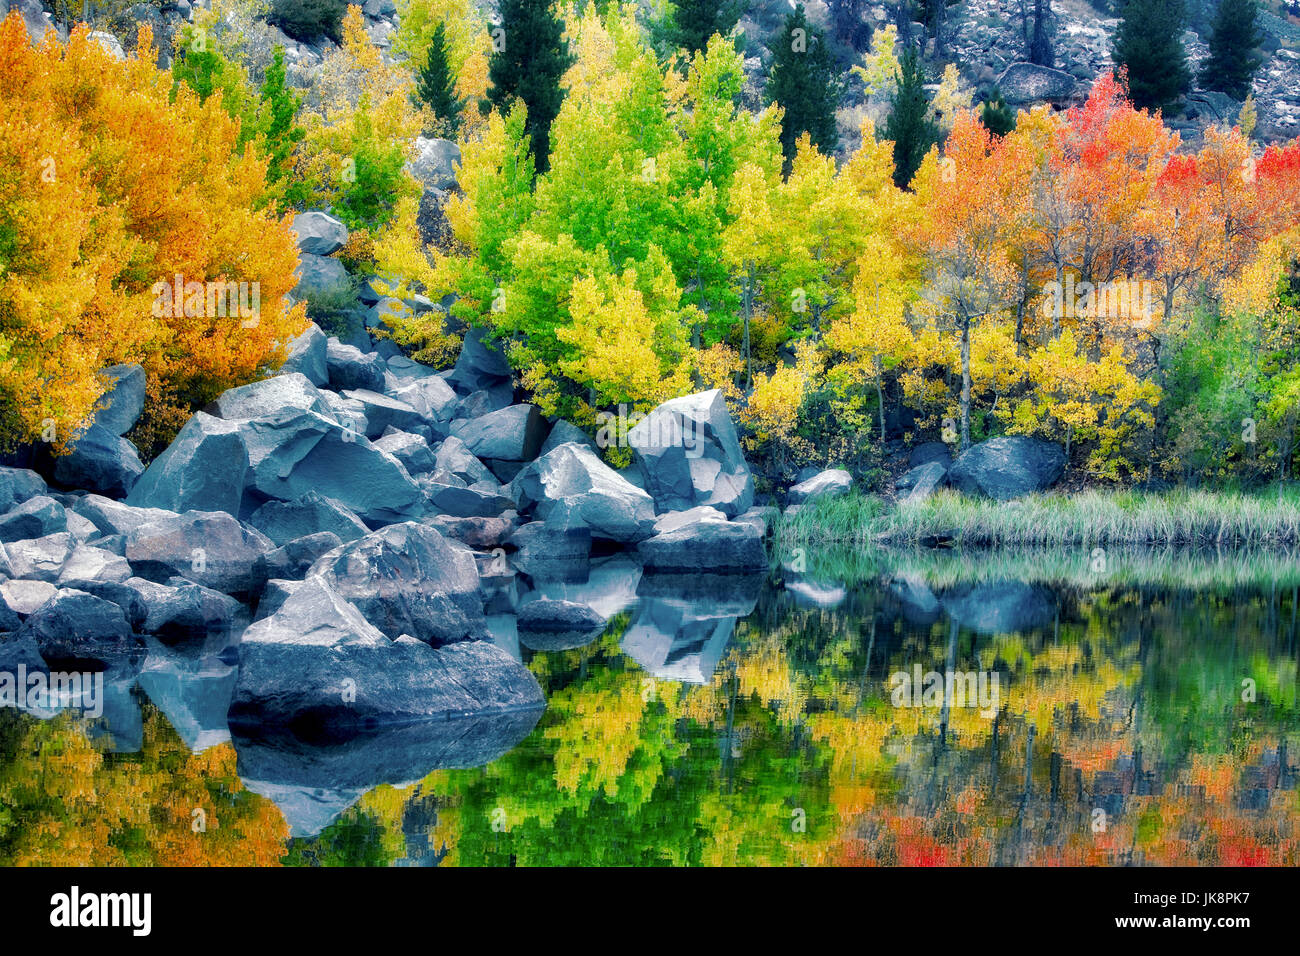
{"x": 1183, "y": 518}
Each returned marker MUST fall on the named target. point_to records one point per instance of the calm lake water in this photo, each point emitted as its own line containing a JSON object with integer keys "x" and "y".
{"x": 1137, "y": 709}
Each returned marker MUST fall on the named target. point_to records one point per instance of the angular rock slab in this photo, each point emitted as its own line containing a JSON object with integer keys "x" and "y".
{"x": 689, "y": 453}
{"x": 210, "y": 548}
{"x": 100, "y": 461}
{"x": 318, "y": 665}
{"x": 204, "y": 468}
{"x": 408, "y": 579}
{"x": 570, "y": 487}
{"x": 293, "y": 452}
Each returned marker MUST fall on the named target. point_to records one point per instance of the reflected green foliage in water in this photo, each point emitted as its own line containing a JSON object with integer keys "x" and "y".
{"x": 1134, "y": 723}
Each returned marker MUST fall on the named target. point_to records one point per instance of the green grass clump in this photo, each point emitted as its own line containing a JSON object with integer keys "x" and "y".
{"x": 1176, "y": 519}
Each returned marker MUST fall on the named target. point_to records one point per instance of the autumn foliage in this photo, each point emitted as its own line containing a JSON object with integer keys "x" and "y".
{"x": 109, "y": 186}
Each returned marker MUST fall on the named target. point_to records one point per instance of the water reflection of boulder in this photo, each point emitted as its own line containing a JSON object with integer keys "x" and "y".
{"x": 817, "y": 594}
{"x": 312, "y": 782}
{"x": 919, "y": 605}
{"x": 193, "y": 691}
{"x": 1001, "y": 607}
{"x": 683, "y": 624}
{"x": 567, "y": 613}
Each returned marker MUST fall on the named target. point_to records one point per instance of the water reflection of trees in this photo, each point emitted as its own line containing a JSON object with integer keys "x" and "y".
{"x": 1122, "y": 736}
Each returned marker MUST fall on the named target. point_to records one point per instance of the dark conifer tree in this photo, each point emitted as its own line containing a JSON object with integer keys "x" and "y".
{"x": 1234, "y": 55}
{"x": 697, "y": 20}
{"x": 436, "y": 86}
{"x": 529, "y": 59}
{"x": 908, "y": 125}
{"x": 804, "y": 82}
{"x": 1148, "y": 46}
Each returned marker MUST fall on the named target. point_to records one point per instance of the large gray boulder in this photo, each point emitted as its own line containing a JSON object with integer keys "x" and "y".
{"x": 831, "y": 483}
{"x": 480, "y": 364}
{"x": 408, "y": 579}
{"x": 321, "y": 277}
{"x": 181, "y": 610}
{"x": 1023, "y": 83}
{"x": 570, "y": 487}
{"x": 294, "y": 390}
{"x": 708, "y": 544}
{"x": 100, "y": 461}
{"x": 75, "y": 625}
{"x": 19, "y": 484}
{"x": 122, "y": 404}
{"x": 21, "y": 597}
{"x": 349, "y": 367}
{"x": 319, "y": 233}
{"x": 435, "y": 164}
{"x": 563, "y": 433}
{"x": 292, "y": 452}
{"x": 511, "y": 434}
{"x": 920, "y": 482}
{"x": 307, "y": 355}
{"x": 454, "y": 458}
{"x": 319, "y": 664}
{"x": 543, "y": 551}
{"x": 41, "y": 559}
{"x": 484, "y": 499}
{"x": 34, "y": 518}
{"x": 285, "y": 521}
{"x": 689, "y": 453}
{"x": 88, "y": 565}
{"x": 383, "y": 412}
{"x": 204, "y": 468}
{"x": 1004, "y": 468}
{"x": 411, "y": 450}
{"x": 207, "y": 547}
{"x": 431, "y": 396}
{"x": 292, "y": 561}
{"x": 116, "y": 517}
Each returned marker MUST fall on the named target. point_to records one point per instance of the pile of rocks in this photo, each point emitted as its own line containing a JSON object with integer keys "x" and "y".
{"x": 353, "y": 522}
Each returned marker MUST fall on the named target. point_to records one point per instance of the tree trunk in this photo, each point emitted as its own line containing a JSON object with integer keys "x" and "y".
{"x": 965, "y": 384}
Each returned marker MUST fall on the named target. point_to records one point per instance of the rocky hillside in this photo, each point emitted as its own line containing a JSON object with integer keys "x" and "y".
{"x": 983, "y": 38}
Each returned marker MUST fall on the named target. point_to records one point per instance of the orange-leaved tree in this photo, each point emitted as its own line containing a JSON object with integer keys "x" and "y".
{"x": 131, "y": 230}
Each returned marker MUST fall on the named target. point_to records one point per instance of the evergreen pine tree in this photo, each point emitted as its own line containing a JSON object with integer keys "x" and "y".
{"x": 998, "y": 118}
{"x": 912, "y": 132}
{"x": 436, "y": 86}
{"x": 803, "y": 81}
{"x": 697, "y": 20}
{"x": 528, "y": 64}
{"x": 1234, "y": 56}
{"x": 1148, "y": 45}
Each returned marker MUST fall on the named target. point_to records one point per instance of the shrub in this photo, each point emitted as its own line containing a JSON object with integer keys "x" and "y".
{"x": 110, "y": 190}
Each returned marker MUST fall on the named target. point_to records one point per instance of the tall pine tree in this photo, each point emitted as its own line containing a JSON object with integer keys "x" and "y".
{"x": 908, "y": 125}
{"x": 1148, "y": 45}
{"x": 530, "y": 57}
{"x": 697, "y": 20}
{"x": 804, "y": 83}
{"x": 1234, "y": 56}
{"x": 436, "y": 85}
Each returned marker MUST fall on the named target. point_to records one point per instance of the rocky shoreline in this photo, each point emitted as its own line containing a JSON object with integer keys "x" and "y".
{"x": 355, "y": 520}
